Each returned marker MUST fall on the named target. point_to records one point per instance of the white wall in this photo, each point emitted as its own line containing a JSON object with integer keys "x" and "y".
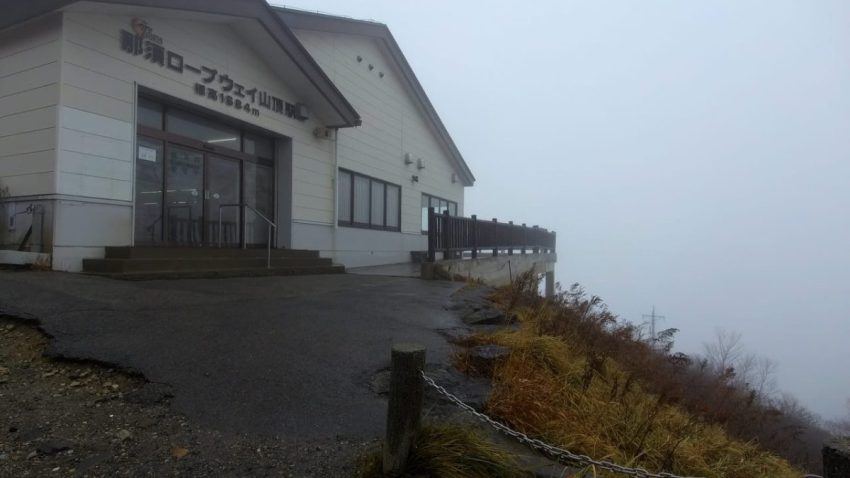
{"x": 98, "y": 126}
{"x": 393, "y": 125}
{"x": 29, "y": 93}
{"x": 67, "y": 129}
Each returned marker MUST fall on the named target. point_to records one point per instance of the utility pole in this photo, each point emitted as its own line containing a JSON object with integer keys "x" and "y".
{"x": 652, "y": 318}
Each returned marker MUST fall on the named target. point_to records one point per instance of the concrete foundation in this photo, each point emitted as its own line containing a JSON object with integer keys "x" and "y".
{"x": 550, "y": 284}
{"x": 495, "y": 271}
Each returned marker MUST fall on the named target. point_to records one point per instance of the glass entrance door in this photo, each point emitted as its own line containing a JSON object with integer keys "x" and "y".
{"x": 184, "y": 201}
{"x": 187, "y": 167}
{"x": 222, "y": 196}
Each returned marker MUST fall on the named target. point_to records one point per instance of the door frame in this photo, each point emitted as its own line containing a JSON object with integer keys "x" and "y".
{"x": 168, "y": 140}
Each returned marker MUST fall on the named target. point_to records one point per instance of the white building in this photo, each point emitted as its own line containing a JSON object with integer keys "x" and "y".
{"x": 149, "y": 122}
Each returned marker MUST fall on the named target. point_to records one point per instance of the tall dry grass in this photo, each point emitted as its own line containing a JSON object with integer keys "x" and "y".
{"x": 565, "y": 383}
{"x": 448, "y": 451}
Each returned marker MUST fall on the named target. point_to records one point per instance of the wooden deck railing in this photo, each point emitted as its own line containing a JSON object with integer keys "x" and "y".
{"x": 453, "y": 236}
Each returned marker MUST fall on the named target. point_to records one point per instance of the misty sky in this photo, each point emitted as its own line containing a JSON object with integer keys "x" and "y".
{"x": 691, "y": 155}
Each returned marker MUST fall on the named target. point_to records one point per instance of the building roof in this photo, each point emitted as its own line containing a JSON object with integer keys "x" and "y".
{"x": 302, "y": 20}
{"x": 344, "y": 114}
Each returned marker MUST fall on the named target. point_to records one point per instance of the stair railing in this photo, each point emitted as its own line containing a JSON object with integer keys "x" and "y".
{"x": 244, "y": 208}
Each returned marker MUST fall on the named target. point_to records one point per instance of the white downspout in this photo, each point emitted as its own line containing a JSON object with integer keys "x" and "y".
{"x": 335, "y": 196}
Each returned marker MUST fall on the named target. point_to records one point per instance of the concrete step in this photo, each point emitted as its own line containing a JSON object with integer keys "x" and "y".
{"x": 202, "y": 252}
{"x": 111, "y": 266}
{"x": 217, "y": 274}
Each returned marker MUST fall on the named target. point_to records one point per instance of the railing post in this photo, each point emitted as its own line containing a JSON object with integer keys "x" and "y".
{"x": 474, "y": 236}
{"x": 524, "y": 238}
{"x": 511, "y": 238}
{"x": 536, "y": 248}
{"x": 404, "y": 410}
{"x": 495, "y": 237}
{"x": 446, "y": 235}
{"x": 432, "y": 236}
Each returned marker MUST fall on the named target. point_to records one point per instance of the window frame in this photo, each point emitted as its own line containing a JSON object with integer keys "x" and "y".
{"x": 438, "y": 198}
{"x": 349, "y": 222}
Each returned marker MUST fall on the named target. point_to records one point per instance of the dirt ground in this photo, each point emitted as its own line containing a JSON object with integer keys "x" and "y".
{"x": 60, "y": 418}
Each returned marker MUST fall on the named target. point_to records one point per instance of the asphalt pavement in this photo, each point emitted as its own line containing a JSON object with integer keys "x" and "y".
{"x": 282, "y": 356}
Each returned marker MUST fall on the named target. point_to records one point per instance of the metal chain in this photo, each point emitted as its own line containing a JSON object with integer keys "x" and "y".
{"x": 564, "y": 457}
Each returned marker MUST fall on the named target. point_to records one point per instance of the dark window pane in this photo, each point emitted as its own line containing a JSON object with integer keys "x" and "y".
{"x": 222, "y": 186}
{"x": 149, "y": 114}
{"x": 344, "y": 193}
{"x": 393, "y": 205}
{"x": 149, "y": 169}
{"x": 361, "y": 200}
{"x": 184, "y": 199}
{"x": 259, "y": 145}
{"x": 453, "y": 208}
{"x": 259, "y": 193}
{"x": 202, "y": 129}
{"x": 377, "y": 203}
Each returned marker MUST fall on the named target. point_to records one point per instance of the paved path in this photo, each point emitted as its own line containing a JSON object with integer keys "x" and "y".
{"x": 283, "y": 356}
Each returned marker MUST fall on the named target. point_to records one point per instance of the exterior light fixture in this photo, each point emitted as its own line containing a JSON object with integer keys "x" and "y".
{"x": 420, "y": 165}
{"x": 302, "y": 112}
{"x": 454, "y": 178}
{"x": 407, "y": 159}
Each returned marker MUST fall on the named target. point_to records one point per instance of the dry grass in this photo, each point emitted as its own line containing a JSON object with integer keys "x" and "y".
{"x": 448, "y": 451}
{"x": 556, "y": 388}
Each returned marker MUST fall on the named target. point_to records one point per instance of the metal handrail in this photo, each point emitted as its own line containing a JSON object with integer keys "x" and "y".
{"x": 244, "y": 242}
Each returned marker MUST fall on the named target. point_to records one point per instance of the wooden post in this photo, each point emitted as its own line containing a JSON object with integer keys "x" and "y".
{"x": 404, "y": 411}
{"x": 536, "y": 249}
{"x": 524, "y": 237}
{"x": 432, "y": 236}
{"x": 447, "y": 236}
{"x": 495, "y": 236}
{"x": 474, "y": 236}
{"x": 511, "y": 232}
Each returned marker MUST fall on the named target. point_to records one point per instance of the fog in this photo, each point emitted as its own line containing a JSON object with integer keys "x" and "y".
{"x": 690, "y": 155}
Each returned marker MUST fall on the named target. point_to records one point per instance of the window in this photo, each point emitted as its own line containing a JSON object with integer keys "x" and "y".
{"x": 393, "y": 206}
{"x": 440, "y": 207}
{"x": 149, "y": 114}
{"x": 344, "y": 196}
{"x": 258, "y": 145}
{"x": 152, "y": 114}
{"x": 368, "y": 202}
{"x": 378, "y": 191}
{"x": 202, "y": 129}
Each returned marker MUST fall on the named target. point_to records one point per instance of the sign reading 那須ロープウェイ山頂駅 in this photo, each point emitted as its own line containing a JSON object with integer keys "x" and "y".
{"x": 212, "y": 84}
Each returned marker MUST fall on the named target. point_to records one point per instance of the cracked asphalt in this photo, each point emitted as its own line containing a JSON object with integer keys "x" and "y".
{"x": 277, "y": 356}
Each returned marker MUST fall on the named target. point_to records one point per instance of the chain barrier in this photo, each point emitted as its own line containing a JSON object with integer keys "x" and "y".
{"x": 565, "y": 457}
